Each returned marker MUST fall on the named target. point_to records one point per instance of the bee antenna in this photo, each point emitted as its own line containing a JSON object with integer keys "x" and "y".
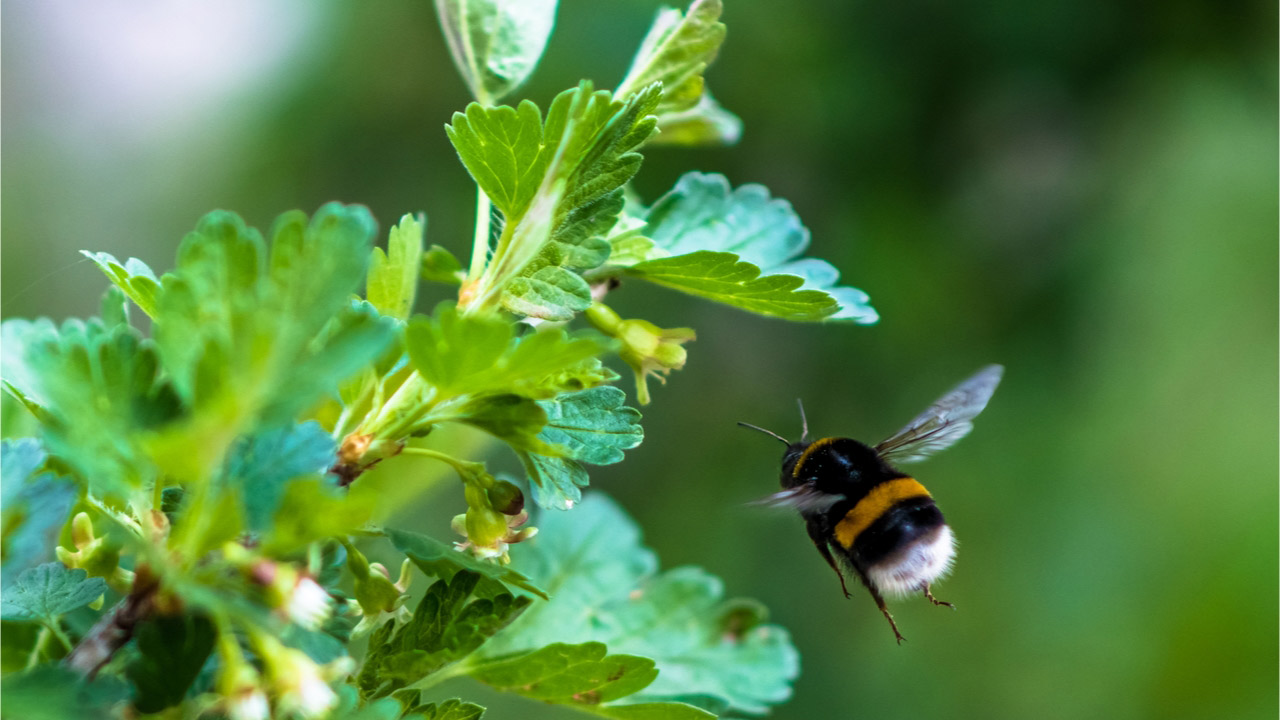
{"x": 804, "y": 422}
{"x": 767, "y": 432}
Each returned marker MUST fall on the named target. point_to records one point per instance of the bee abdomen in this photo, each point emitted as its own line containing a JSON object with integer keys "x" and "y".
{"x": 885, "y": 501}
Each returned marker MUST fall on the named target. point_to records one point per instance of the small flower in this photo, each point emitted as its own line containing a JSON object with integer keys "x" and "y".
{"x": 249, "y": 705}
{"x": 294, "y": 594}
{"x": 498, "y": 546}
{"x": 301, "y": 685}
{"x": 647, "y": 348}
{"x": 241, "y": 686}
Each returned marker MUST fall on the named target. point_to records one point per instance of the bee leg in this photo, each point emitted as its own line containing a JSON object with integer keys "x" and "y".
{"x": 826, "y": 553}
{"x": 884, "y": 609}
{"x": 935, "y": 600}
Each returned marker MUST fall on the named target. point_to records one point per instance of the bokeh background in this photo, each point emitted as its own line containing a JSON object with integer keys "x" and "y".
{"x": 1083, "y": 191}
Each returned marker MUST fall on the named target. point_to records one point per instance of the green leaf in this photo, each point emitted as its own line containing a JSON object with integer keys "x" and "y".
{"x": 55, "y": 692}
{"x": 314, "y": 509}
{"x": 740, "y": 247}
{"x": 722, "y": 277}
{"x": 133, "y": 277}
{"x": 594, "y": 426}
{"x": 583, "y": 675}
{"x": 706, "y": 123}
{"x": 262, "y": 464}
{"x": 514, "y": 419}
{"x": 467, "y": 354}
{"x": 591, "y": 426}
{"x": 35, "y": 507}
{"x": 393, "y": 275}
{"x": 558, "y": 185}
{"x": 44, "y": 592}
{"x": 250, "y": 337}
{"x": 496, "y": 45}
{"x": 675, "y": 52}
{"x": 441, "y": 560}
{"x": 448, "y": 625}
{"x": 454, "y": 709}
{"x": 171, "y": 652}
{"x": 115, "y": 307}
{"x": 100, "y": 392}
{"x": 605, "y": 588}
{"x": 439, "y": 265}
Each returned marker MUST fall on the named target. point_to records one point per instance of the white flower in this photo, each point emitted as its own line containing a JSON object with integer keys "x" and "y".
{"x": 249, "y": 705}
{"x": 301, "y": 685}
{"x": 309, "y": 604}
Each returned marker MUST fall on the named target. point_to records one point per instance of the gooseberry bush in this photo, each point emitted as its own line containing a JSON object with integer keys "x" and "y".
{"x": 185, "y": 532}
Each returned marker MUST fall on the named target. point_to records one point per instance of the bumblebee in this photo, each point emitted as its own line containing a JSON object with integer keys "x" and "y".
{"x": 876, "y": 519}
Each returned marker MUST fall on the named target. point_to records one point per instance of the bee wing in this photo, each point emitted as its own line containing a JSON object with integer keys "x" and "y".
{"x": 805, "y": 498}
{"x": 945, "y": 422}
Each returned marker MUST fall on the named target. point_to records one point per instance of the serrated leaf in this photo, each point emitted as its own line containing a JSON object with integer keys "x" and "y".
{"x": 496, "y": 45}
{"x": 734, "y": 246}
{"x": 471, "y": 355}
{"x": 439, "y": 265}
{"x": 99, "y": 391}
{"x": 704, "y": 124}
{"x": 453, "y": 709}
{"x": 171, "y": 652}
{"x": 723, "y": 278}
{"x": 582, "y": 675}
{"x": 393, "y": 276}
{"x": 260, "y": 465}
{"x": 133, "y": 277}
{"x": 592, "y": 563}
{"x": 558, "y": 185}
{"x": 448, "y": 625}
{"x": 442, "y": 560}
{"x": 255, "y": 337}
{"x": 44, "y": 592}
{"x": 675, "y": 52}
{"x": 592, "y": 426}
{"x": 55, "y": 692}
{"x": 35, "y": 506}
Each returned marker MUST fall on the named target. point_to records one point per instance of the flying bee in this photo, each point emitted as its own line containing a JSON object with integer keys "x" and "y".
{"x": 878, "y": 520}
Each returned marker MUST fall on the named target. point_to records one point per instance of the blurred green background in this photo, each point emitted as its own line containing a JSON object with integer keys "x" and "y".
{"x": 1085, "y": 192}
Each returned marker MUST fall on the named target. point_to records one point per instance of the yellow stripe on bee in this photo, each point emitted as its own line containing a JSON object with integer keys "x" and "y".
{"x": 876, "y": 503}
{"x": 813, "y": 447}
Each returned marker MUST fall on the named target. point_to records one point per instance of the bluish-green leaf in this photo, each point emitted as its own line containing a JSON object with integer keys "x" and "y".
{"x": 35, "y": 506}
{"x": 454, "y": 709}
{"x": 592, "y": 426}
{"x": 740, "y": 247}
{"x": 605, "y": 588}
{"x": 496, "y": 45}
{"x": 393, "y": 275}
{"x": 581, "y": 675}
{"x": 261, "y": 464}
{"x": 44, "y": 592}
{"x": 99, "y": 392}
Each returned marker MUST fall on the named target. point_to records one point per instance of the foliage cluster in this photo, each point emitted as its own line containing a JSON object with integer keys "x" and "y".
{"x": 180, "y": 535}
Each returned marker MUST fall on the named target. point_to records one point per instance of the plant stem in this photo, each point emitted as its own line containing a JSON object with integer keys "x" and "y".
{"x": 464, "y": 468}
{"x": 480, "y": 244}
{"x": 62, "y": 637}
{"x": 42, "y": 639}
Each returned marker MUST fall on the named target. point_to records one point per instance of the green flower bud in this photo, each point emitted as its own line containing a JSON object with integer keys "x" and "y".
{"x": 506, "y": 498}
{"x": 647, "y": 348}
